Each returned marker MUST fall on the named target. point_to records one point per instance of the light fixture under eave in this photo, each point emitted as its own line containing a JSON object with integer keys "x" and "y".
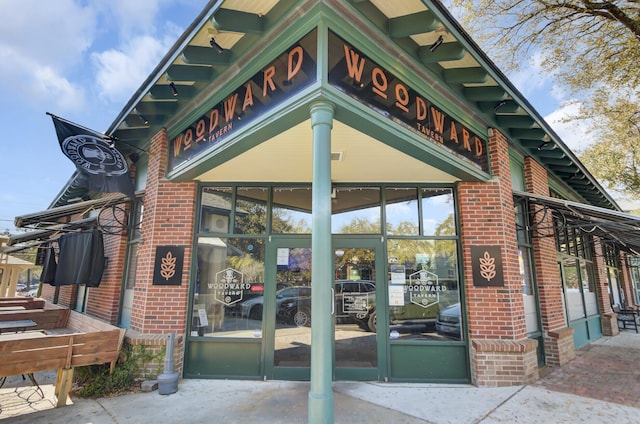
{"x": 216, "y": 46}
{"x": 174, "y": 90}
{"x": 544, "y": 145}
{"x": 143, "y": 119}
{"x": 437, "y": 44}
{"x": 499, "y": 105}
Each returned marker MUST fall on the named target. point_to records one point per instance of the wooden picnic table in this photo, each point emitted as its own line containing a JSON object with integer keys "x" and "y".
{"x": 16, "y": 326}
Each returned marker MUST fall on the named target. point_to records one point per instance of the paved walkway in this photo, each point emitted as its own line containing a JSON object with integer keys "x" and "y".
{"x": 600, "y": 385}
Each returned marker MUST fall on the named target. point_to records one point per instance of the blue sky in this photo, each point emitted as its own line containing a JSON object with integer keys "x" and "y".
{"x": 83, "y": 60}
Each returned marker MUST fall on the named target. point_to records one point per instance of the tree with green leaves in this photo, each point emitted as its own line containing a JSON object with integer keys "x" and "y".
{"x": 590, "y": 47}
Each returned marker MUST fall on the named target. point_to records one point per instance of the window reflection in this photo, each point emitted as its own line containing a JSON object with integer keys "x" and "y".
{"x": 573, "y": 292}
{"x": 424, "y": 298}
{"x": 401, "y": 211}
{"x": 438, "y": 212}
{"x": 293, "y": 308}
{"x": 230, "y": 272}
{"x": 251, "y": 210}
{"x": 215, "y": 209}
{"x": 356, "y": 210}
{"x": 291, "y": 212}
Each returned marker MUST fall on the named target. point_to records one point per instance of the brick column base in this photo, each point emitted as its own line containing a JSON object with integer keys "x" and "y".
{"x": 609, "y": 324}
{"x": 149, "y": 352}
{"x": 496, "y": 363}
{"x": 559, "y": 347}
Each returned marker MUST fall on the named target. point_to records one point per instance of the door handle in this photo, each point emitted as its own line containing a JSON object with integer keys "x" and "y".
{"x": 333, "y": 301}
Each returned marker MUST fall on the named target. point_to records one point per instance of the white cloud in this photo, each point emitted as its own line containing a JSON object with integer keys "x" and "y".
{"x": 575, "y": 133}
{"x": 121, "y": 71}
{"x": 40, "y": 42}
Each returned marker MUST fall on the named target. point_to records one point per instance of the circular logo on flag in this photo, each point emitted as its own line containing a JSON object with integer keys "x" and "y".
{"x": 94, "y": 155}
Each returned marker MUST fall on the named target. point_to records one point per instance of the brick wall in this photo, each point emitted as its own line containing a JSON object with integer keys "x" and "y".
{"x": 495, "y": 314}
{"x": 558, "y": 343}
{"x": 608, "y": 318}
{"x": 168, "y": 219}
{"x": 103, "y": 302}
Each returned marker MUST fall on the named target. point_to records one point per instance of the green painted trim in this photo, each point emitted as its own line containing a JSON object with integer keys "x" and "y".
{"x": 432, "y": 363}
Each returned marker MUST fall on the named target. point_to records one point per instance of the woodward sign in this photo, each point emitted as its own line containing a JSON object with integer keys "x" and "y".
{"x": 357, "y": 75}
{"x": 352, "y": 73}
{"x": 288, "y": 74}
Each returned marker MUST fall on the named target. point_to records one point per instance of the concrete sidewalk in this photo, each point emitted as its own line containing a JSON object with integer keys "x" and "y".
{"x": 233, "y": 401}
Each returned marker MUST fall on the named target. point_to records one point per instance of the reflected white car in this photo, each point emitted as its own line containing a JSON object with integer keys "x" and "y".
{"x": 252, "y": 308}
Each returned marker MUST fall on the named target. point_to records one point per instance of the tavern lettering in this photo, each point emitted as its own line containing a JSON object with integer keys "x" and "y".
{"x": 428, "y": 120}
{"x": 219, "y": 120}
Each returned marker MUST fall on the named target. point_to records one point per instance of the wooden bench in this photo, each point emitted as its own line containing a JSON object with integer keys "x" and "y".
{"x": 49, "y": 317}
{"x": 91, "y": 342}
{"x": 17, "y": 326}
{"x": 26, "y": 302}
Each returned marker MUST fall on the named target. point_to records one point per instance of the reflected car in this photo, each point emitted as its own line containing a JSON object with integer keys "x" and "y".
{"x": 448, "y": 322}
{"x": 413, "y": 315}
{"x": 252, "y": 308}
{"x": 353, "y": 301}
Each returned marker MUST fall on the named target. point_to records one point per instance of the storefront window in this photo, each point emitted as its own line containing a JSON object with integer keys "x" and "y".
{"x": 356, "y": 210}
{"x": 215, "y": 209}
{"x": 230, "y": 272}
{"x": 438, "y": 212}
{"x": 588, "y": 288}
{"x": 291, "y": 211}
{"x": 251, "y": 210}
{"x": 401, "y": 211}
{"x": 572, "y": 290}
{"x": 424, "y": 295}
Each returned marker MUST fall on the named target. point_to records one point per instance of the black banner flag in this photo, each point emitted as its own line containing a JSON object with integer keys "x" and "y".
{"x": 101, "y": 167}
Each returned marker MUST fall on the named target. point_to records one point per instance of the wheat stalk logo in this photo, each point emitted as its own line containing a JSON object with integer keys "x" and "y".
{"x": 168, "y": 266}
{"x": 487, "y": 266}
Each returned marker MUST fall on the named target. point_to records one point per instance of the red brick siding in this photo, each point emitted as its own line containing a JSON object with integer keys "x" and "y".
{"x": 168, "y": 219}
{"x": 545, "y": 255}
{"x": 487, "y": 218}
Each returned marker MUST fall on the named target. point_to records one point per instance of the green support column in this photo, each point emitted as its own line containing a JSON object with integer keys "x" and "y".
{"x": 321, "y": 393}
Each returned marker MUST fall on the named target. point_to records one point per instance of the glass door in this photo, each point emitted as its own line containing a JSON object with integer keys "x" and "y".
{"x": 357, "y": 280}
{"x": 288, "y": 346}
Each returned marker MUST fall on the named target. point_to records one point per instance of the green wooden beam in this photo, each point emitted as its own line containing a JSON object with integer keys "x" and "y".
{"x": 545, "y": 154}
{"x": 139, "y": 119}
{"x": 515, "y": 121}
{"x": 502, "y": 106}
{"x": 465, "y": 75}
{"x": 157, "y": 108}
{"x": 189, "y": 73}
{"x": 198, "y": 55}
{"x": 415, "y": 23}
{"x": 164, "y": 92}
{"x": 564, "y": 162}
{"x": 237, "y": 21}
{"x": 133, "y": 133}
{"x": 444, "y": 53}
{"x": 528, "y": 133}
{"x": 477, "y": 94}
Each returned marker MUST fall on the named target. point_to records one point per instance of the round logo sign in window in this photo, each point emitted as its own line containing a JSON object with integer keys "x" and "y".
{"x": 94, "y": 155}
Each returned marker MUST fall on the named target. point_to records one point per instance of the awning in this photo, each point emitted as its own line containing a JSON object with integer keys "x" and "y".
{"x": 609, "y": 225}
{"x": 52, "y": 215}
{"x": 48, "y": 233}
